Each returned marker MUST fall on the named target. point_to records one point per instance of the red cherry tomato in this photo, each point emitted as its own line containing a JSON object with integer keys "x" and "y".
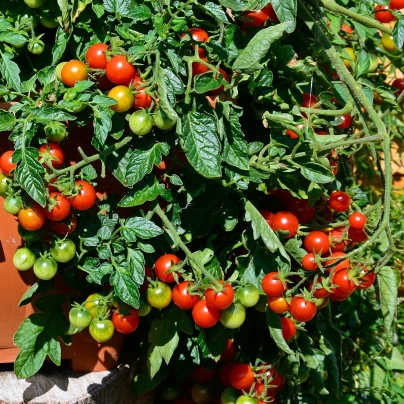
{"x": 65, "y": 227}
{"x": 86, "y": 197}
{"x": 205, "y": 316}
{"x": 229, "y": 351}
{"x": 199, "y": 68}
{"x": 199, "y": 35}
{"x": 383, "y": 14}
{"x": 74, "y": 71}
{"x": 346, "y": 121}
{"x": 277, "y": 380}
{"x": 182, "y": 298}
{"x": 62, "y": 208}
{"x": 396, "y": 4}
{"x": 126, "y": 323}
{"x": 367, "y": 280}
{"x": 96, "y": 56}
{"x": 119, "y": 70}
{"x": 278, "y": 304}
{"x": 309, "y": 262}
{"x": 338, "y": 296}
{"x": 338, "y": 244}
{"x": 302, "y": 210}
{"x": 142, "y": 99}
{"x": 164, "y": 264}
{"x": 357, "y": 234}
{"x": 308, "y": 100}
{"x": 292, "y": 134}
{"x": 399, "y": 84}
{"x": 6, "y": 164}
{"x": 285, "y": 221}
{"x": 272, "y": 285}
{"x": 302, "y": 309}
{"x": 268, "y": 216}
{"x": 346, "y": 28}
{"x": 357, "y": 220}
{"x": 345, "y": 285}
{"x": 32, "y": 218}
{"x": 320, "y": 292}
{"x": 201, "y": 374}
{"x": 317, "y": 242}
{"x": 55, "y": 151}
{"x": 268, "y": 9}
{"x": 336, "y": 256}
{"x": 288, "y": 328}
{"x": 241, "y": 376}
{"x": 255, "y": 18}
{"x": 339, "y": 201}
{"x": 220, "y": 300}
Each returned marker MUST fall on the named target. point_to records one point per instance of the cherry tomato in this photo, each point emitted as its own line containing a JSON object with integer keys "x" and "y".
{"x": 269, "y": 9}
{"x": 5, "y": 184}
{"x": 302, "y": 309}
{"x": 278, "y": 304}
{"x": 164, "y": 264}
{"x": 24, "y": 259}
{"x": 96, "y": 305}
{"x": 343, "y": 280}
{"x": 317, "y": 242}
{"x": 337, "y": 296}
{"x": 125, "y": 323}
{"x": 199, "y": 68}
{"x": 199, "y": 35}
{"x": 320, "y": 293}
{"x": 346, "y": 28}
{"x": 55, "y": 131}
{"x": 350, "y": 56}
{"x": 234, "y": 316}
{"x": 45, "y": 268}
{"x": 309, "y": 100}
{"x": 338, "y": 244}
{"x": 34, "y": 3}
{"x": 383, "y": 14}
{"x": 119, "y": 70}
{"x": 144, "y": 307}
{"x": 288, "y": 328}
{"x": 309, "y": 262}
{"x": 367, "y": 280}
{"x": 388, "y": 43}
{"x": 229, "y": 396}
{"x": 48, "y": 20}
{"x": 12, "y": 204}
{"x": 255, "y": 18}
{"x": 241, "y": 376}
{"x": 399, "y": 84}
{"x": 374, "y": 63}
{"x": 229, "y": 351}
{"x": 268, "y": 216}
{"x": 141, "y": 122}
{"x": 142, "y": 99}
{"x": 222, "y": 299}
{"x": 226, "y": 77}
{"x": 246, "y": 400}
{"x": 162, "y": 120}
{"x": 101, "y": 330}
{"x": 159, "y": 295}
{"x": 201, "y": 394}
{"x": 53, "y": 153}
{"x": 272, "y": 285}
{"x": 396, "y": 4}
{"x": 339, "y": 201}
{"x": 205, "y": 316}
{"x": 181, "y": 296}
{"x": 27, "y": 235}
{"x": 357, "y": 234}
{"x": 336, "y": 256}
{"x": 201, "y": 374}
{"x": 276, "y": 379}
{"x": 6, "y": 163}
{"x": 63, "y": 250}
{"x": 32, "y": 218}
{"x": 73, "y": 71}
{"x": 248, "y": 295}
{"x": 292, "y": 134}
{"x": 65, "y": 227}
{"x": 80, "y": 317}
{"x": 346, "y": 121}
{"x": 302, "y": 210}
{"x": 285, "y": 221}
{"x": 61, "y": 209}
{"x": 357, "y": 220}
{"x": 96, "y": 57}
{"x": 36, "y": 47}
{"x": 86, "y": 197}
{"x": 123, "y": 97}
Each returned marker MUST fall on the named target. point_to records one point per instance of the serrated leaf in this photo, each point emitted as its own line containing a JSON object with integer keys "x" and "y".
{"x": 362, "y": 64}
{"x": 145, "y": 191}
{"x": 7, "y": 121}
{"x": 388, "y": 295}
{"x": 13, "y": 38}
{"x": 140, "y": 227}
{"x": 136, "y": 265}
{"x": 125, "y": 288}
{"x": 47, "y": 113}
{"x": 102, "y": 126}
{"x": 317, "y": 173}
{"x": 164, "y": 96}
{"x": 207, "y": 82}
{"x": 62, "y": 38}
{"x": 10, "y": 71}
{"x": 216, "y": 11}
{"x": 275, "y": 329}
{"x": 286, "y": 10}
{"x": 119, "y": 8}
{"x": 398, "y": 32}
{"x": 103, "y": 101}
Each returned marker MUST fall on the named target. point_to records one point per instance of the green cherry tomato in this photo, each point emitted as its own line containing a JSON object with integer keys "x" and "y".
{"x": 58, "y": 70}
{"x": 169, "y": 392}
{"x": 27, "y": 235}
{"x": 12, "y": 204}
{"x": 80, "y": 317}
{"x": 34, "y": 3}
{"x": 303, "y": 373}
{"x": 48, "y": 20}
{"x": 229, "y": 396}
{"x": 140, "y": 122}
{"x": 246, "y": 400}
{"x": 45, "y": 268}
{"x": 144, "y": 308}
{"x": 248, "y": 295}
{"x": 36, "y": 48}
{"x": 55, "y": 131}
{"x": 24, "y": 259}
{"x": 374, "y": 63}
{"x": 261, "y": 306}
{"x": 5, "y": 183}
{"x": 162, "y": 121}
{"x": 63, "y": 250}
{"x": 96, "y": 304}
{"x": 233, "y": 316}
{"x": 159, "y": 295}
{"x": 101, "y": 330}
{"x": 27, "y": 21}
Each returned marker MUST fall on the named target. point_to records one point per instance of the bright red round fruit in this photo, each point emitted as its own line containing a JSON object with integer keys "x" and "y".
{"x": 59, "y": 211}
{"x": 126, "y": 323}
{"x": 6, "y": 163}
{"x": 268, "y": 216}
{"x": 367, "y": 280}
{"x": 255, "y": 18}
{"x": 317, "y": 242}
{"x": 292, "y": 134}
{"x": 301, "y": 309}
{"x": 56, "y": 153}
{"x": 73, "y": 71}
{"x": 199, "y": 35}
{"x": 308, "y": 100}
{"x": 141, "y": 98}
{"x": 320, "y": 292}
{"x": 182, "y": 298}
{"x": 119, "y": 70}
{"x": 288, "y": 328}
{"x": 346, "y": 121}
{"x": 285, "y": 221}
{"x": 338, "y": 244}
{"x": 357, "y": 220}
{"x": 342, "y": 279}
{"x": 339, "y": 201}
{"x": 309, "y": 262}
{"x": 164, "y": 264}
{"x": 65, "y": 227}
{"x": 199, "y": 68}
{"x": 399, "y": 84}
{"x": 357, "y": 234}
{"x": 278, "y": 304}
{"x": 336, "y": 257}
{"x": 302, "y": 210}
{"x": 205, "y": 316}
{"x": 220, "y": 300}
{"x": 383, "y": 14}
{"x": 269, "y": 9}
{"x": 396, "y": 4}
{"x": 96, "y": 56}
{"x": 272, "y": 285}
{"x": 241, "y": 376}
{"x": 86, "y": 197}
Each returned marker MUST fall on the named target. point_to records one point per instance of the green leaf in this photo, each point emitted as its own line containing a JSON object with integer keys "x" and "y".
{"x": 10, "y": 71}
{"x": 317, "y": 173}
{"x": 139, "y": 13}
{"x": 29, "y": 173}
{"x": 286, "y": 10}
{"x": 62, "y": 38}
{"x": 216, "y": 11}
{"x": 103, "y": 101}
{"x": 275, "y": 329}
{"x": 388, "y": 295}
{"x": 201, "y": 143}
{"x": 147, "y": 190}
{"x": 362, "y": 63}
{"x": 398, "y": 32}
{"x": 249, "y": 59}
{"x": 50, "y": 113}
{"x": 96, "y": 272}
{"x": 395, "y": 360}
{"x": 206, "y": 82}
{"x": 142, "y": 383}
{"x": 164, "y": 97}
{"x": 13, "y": 38}
{"x": 136, "y": 265}
{"x": 27, "y": 296}
{"x": 235, "y": 5}
{"x": 7, "y": 121}
{"x": 140, "y": 227}
{"x": 119, "y": 8}
{"x": 125, "y": 288}
{"x": 102, "y": 126}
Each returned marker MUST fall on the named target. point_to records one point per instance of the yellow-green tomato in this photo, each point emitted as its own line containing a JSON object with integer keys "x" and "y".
{"x": 388, "y": 43}
{"x": 24, "y": 259}
{"x": 140, "y": 123}
{"x": 101, "y": 330}
{"x": 162, "y": 120}
{"x": 58, "y": 70}
{"x": 234, "y": 316}
{"x": 374, "y": 63}
{"x": 34, "y": 3}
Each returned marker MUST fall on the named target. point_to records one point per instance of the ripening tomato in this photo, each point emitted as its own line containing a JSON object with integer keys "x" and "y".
{"x": 45, "y": 268}
{"x": 272, "y": 285}
{"x": 399, "y": 84}
{"x": 274, "y": 378}
{"x": 60, "y": 207}
{"x": 34, "y": 3}
{"x": 65, "y": 227}
{"x": 317, "y": 242}
{"x": 182, "y": 298}
{"x": 202, "y": 393}
{"x": 248, "y": 295}
{"x": 278, "y": 304}
{"x": 24, "y": 259}
{"x": 255, "y": 18}
{"x": 229, "y": 396}
{"x": 119, "y": 70}
{"x": 388, "y": 43}
{"x": 246, "y": 400}
{"x": 199, "y": 35}
{"x": 101, "y": 330}
{"x": 357, "y": 234}
{"x": 73, "y": 71}
{"x": 346, "y": 28}
{"x": 288, "y": 328}
{"x": 164, "y": 264}
{"x": 125, "y": 323}
{"x": 12, "y": 204}
{"x": 220, "y": 300}
{"x": 6, "y": 163}
{"x": 367, "y": 279}
{"x": 302, "y": 210}
{"x": 269, "y": 9}
{"x": 339, "y": 201}
{"x": 199, "y": 68}
{"x": 343, "y": 280}
{"x": 96, "y": 305}
{"x": 53, "y": 153}
{"x": 396, "y": 4}
{"x": 309, "y": 262}
{"x": 346, "y": 121}
{"x": 205, "y": 316}
{"x": 309, "y": 100}
{"x": 267, "y": 215}
{"x": 63, "y": 250}
{"x": 241, "y": 376}
{"x": 233, "y": 316}
{"x": 350, "y": 56}
{"x": 338, "y": 244}
{"x": 140, "y": 122}
{"x": 96, "y": 56}
{"x": 336, "y": 256}
{"x": 32, "y": 218}
{"x": 285, "y": 221}
{"x": 292, "y": 134}
{"x": 142, "y": 99}
{"x": 383, "y": 14}
{"x": 320, "y": 293}
{"x": 80, "y": 317}
{"x": 85, "y": 198}
{"x": 123, "y": 97}
{"x": 302, "y": 309}
{"x": 159, "y": 295}
{"x": 357, "y": 220}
